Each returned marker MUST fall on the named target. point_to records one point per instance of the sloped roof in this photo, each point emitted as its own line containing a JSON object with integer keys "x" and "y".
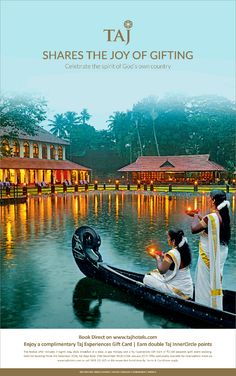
{"x": 39, "y": 164}
{"x": 41, "y": 135}
{"x": 179, "y": 163}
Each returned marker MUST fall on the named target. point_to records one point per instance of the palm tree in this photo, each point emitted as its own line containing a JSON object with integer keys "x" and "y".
{"x": 84, "y": 116}
{"x": 72, "y": 120}
{"x": 58, "y": 125}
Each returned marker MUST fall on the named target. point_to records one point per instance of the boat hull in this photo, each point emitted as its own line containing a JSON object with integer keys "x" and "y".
{"x": 202, "y": 316}
{"x": 90, "y": 263}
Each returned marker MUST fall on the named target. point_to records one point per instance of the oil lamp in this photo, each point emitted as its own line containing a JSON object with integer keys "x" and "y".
{"x": 152, "y": 251}
{"x": 190, "y": 210}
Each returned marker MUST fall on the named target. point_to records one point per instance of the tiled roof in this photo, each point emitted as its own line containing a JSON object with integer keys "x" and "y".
{"x": 39, "y": 164}
{"x": 40, "y": 135}
{"x": 180, "y": 163}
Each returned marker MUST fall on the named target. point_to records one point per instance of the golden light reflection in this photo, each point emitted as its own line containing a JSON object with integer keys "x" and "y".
{"x": 101, "y": 202}
{"x": 122, "y": 200}
{"x": 151, "y": 206}
{"x": 117, "y": 206}
{"x": 233, "y": 204}
{"x": 9, "y": 241}
{"x": 49, "y": 207}
{"x": 204, "y": 204}
{"x": 75, "y": 206}
{"x": 109, "y": 203}
{"x": 139, "y": 206}
{"x": 83, "y": 205}
{"x": 166, "y": 210}
{"x": 96, "y": 205}
{"x": 41, "y": 214}
{"x": 23, "y": 220}
{"x": 195, "y": 203}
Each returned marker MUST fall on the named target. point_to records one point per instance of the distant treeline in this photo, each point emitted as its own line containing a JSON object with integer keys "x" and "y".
{"x": 173, "y": 125}
{"x": 169, "y": 126}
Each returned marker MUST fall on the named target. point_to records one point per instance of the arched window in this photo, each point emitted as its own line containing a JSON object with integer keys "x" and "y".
{"x": 35, "y": 151}
{"x": 52, "y": 152}
{"x": 6, "y": 148}
{"x": 16, "y": 149}
{"x": 44, "y": 151}
{"x": 60, "y": 152}
{"x": 26, "y": 149}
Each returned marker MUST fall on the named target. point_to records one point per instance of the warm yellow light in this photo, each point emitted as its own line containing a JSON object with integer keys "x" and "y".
{"x": 151, "y": 182}
{"x": 117, "y": 181}
{"x": 95, "y": 182}
{"x": 195, "y": 182}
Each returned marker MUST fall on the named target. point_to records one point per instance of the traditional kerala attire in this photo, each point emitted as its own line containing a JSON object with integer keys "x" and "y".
{"x": 177, "y": 282}
{"x": 212, "y": 256}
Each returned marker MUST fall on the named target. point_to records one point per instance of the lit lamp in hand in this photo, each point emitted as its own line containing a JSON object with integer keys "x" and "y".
{"x": 191, "y": 211}
{"x": 153, "y": 252}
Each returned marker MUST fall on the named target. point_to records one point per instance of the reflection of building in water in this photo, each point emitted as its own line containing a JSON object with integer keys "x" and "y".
{"x": 109, "y": 203}
{"x": 117, "y": 206}
{"x": 171, "y": 169}
{"x": 95, "y": 205}
{"x": 151, "y": 206}
{"x": 38, "y": 158}
{"x": 9, "y": 243}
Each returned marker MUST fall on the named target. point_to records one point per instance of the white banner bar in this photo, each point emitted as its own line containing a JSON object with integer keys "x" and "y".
{"x": 117, "y": 348}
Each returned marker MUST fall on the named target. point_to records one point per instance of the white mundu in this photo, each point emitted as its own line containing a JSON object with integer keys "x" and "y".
{"x": 177, "y": 282}
{"x": 212, "y": 256}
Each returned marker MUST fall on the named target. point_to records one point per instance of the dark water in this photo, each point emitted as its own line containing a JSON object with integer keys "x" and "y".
{"x": 41, "y": 284}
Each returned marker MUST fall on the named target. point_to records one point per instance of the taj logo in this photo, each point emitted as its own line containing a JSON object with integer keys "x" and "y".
{"x": 114, "y": 35}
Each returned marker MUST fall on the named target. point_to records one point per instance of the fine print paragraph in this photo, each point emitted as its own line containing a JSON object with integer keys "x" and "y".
{"x": 110, "y": 349}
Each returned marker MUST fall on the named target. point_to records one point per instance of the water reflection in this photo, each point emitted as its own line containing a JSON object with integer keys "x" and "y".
{"x": 36, "y": 260}
{"x": 88, "y": 298}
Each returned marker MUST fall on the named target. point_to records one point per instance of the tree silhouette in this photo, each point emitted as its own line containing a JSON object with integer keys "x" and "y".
{"x": 84, "y": 116}
{"x": 58, "y": 126}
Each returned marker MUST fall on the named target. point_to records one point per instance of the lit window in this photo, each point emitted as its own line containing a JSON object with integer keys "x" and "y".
{"x": 44, "y": 151}
{"x": 16, "y": 149}
{"x": 60, "y": 153}
{"x": 26, "y": 149}
{"x": 35, "y": 151}
{"x": 6, "y": 148}
{"x": 52, "y": 152}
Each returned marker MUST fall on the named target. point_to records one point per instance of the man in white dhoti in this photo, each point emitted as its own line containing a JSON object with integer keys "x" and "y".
{"x": 214, "y": 232}
{"x": 172, "y": 275}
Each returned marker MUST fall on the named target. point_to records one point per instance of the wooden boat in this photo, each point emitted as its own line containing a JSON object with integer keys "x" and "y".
{"x": 85, "y": 248}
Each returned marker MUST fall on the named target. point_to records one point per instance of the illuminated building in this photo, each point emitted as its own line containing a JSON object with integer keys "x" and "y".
{"x": 38, "y": 158}
{"x": 174, "y": 169}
